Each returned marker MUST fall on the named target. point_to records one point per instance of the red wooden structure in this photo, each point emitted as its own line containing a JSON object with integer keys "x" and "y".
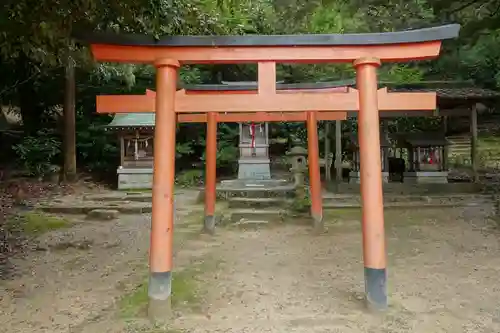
{"x": 364, "y": 51}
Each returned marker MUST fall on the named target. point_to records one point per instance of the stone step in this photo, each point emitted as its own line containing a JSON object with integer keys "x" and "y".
{"x": 414, "y": 202}
{"x": 404, "y": 205}
{"x": 458, "y": 139}
{"x": 458, "y": 146}
{"x": 132, "y": 196}
{"x": 84, "y": 208}
{"x": 459, "y": 143}
{"x": 397, "y": 189}
{"x": 120, "y": 196}
{"x": 256, "y": 192}
{"x": 329, "y": 197}
{"x": 102, "y": 214}
{"x": 256, "y": 215}
{"x": 237, "y": 202}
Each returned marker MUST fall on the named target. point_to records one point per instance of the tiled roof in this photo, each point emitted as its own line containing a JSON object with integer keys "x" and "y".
{"x": 422, "y": 139}
{"x": 455, "y": 93}
{"x": 133, "y": 120}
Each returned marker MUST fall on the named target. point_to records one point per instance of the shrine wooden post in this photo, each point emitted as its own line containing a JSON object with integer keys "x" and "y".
{"x": 314, "y": 175}
{"x": 162, "y": 226}
{"x": 371, "y": 183}
{"x": 166, "y": 53}
{"x": 210, "y": 173}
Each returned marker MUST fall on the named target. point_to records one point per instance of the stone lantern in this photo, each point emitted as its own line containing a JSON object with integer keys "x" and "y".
{"x": 298, "y": 159}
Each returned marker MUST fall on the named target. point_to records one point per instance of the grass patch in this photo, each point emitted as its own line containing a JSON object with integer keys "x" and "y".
{"x": 186, "y": 293}
{"x": 37, "y": 223}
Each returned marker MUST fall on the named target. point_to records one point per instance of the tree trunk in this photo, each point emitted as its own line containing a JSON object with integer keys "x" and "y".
{"x": 69, "y": 122}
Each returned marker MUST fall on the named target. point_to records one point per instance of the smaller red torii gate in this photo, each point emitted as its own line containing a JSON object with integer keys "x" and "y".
{"x": 204, "y": 99}
{"x": 365, "y": 51}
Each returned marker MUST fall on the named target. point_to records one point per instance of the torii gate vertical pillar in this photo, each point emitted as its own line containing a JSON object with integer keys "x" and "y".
{"x": 210, "y": 173}
{"x": 371, "y": 185}
{"x": 162, "y": 223}
{"x": 314, "y": 175}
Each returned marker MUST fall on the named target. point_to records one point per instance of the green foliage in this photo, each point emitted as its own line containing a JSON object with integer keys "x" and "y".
{"x": 227, "y": 146}
{"x": 37, "y": 153}
{"x": 36, "y": 42}
{"x": 402, "y": 73}
{"x": 481, "y": 59}
{"x": 97, "y": 148}
{"x": 190, "y": 178}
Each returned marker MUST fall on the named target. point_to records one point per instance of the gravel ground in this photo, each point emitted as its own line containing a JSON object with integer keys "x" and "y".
{"x": 443, "y": 272}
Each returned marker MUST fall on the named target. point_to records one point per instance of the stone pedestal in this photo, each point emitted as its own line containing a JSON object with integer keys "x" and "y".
{"x": 425, "y": 177}
{"x": 135, "y": 178}
{"x": 254, "y": 168}
{"x": 355, "y": 177}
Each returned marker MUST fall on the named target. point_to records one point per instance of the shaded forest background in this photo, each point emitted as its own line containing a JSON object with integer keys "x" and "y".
{"x": 40, "y": 62}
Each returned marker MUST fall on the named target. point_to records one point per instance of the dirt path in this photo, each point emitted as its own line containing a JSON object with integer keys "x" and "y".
{"x": 78, "y": 274}
{"x": 443, "y": 277}
{"x": 443, "y": 272}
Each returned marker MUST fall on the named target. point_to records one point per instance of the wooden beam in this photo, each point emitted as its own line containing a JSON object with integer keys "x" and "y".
{"x": 124, "y": 103}
{"x": 267, "y": 78}
{"x": 260, "y": 117}
{"x": 288, "y": 102}
{"x": 283, "y": 54}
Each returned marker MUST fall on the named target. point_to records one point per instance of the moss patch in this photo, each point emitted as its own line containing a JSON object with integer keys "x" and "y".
{"x": 186, "y": 293}
{"x": 37, "y": 223}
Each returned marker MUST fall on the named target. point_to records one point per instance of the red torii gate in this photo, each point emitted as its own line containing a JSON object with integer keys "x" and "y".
{"x": 365, "y": 51}
{"x": 146, "y": 103}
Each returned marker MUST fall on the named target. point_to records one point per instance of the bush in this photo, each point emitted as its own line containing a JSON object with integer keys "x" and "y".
{"x": 37, "y": 153}
{"x": 190, "y": 178}
{"x": 97, "y": 148}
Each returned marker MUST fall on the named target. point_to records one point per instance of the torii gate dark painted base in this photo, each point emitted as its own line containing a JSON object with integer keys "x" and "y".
{"x": 365, "y": 51}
